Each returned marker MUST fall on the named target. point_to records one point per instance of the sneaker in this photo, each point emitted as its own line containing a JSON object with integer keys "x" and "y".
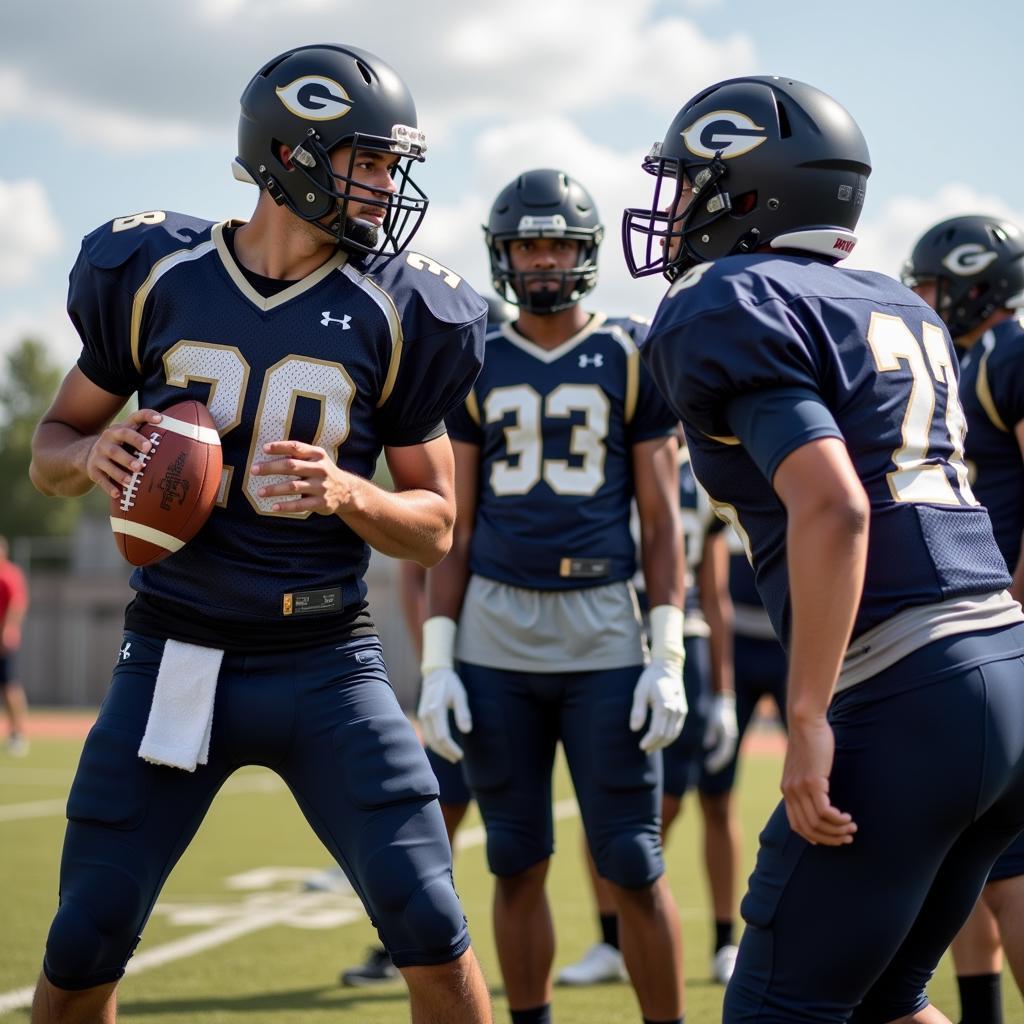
{"x": 17, "y": 746}
{"x": 376, "y": 969}
{"x": 723, "y": 964}
{"x": 599, "y": 964}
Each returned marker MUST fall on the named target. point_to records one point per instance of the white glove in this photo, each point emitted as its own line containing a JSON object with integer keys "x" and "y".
{"x": 722, "y": 733}
{"x": 659, "y": 688}
{"x": 442, "y": 689}
{"x": 443, "y": 692}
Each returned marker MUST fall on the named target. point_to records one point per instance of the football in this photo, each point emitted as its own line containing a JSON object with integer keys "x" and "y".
{"x": 167, "y": 502}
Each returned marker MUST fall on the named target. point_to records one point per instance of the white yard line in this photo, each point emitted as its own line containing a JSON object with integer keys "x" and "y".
{"x": 220, "y": 934}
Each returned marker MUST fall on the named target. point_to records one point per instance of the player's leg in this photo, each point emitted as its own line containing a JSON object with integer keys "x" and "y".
{"x": 361, "y": 778}
{"x": 760, "y": 667}
{"x": 128, "y": 823}
{"x": 978, "y": 959}
{"x": 619, "y": 792}
{"x": 909, "y": 766}
{"x": 602, "y": 961}
{"x": 15, "y": 706}
{"x": 509, "y": 762}
{"x": 1004, "y": 896}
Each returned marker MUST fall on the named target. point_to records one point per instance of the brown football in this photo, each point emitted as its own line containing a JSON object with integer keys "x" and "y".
{"x": 171, "y": 497}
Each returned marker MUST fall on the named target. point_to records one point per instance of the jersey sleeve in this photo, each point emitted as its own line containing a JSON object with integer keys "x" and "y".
{"x": 772, "y": 424}
{"x": 434, "y": 376}
{"x": 704, "y": 350}
{"x": 100, "y": 310}
{"x": 463, "y": 422}
{"x": 653, "y": 416}
{"x": 1002, "y": 373}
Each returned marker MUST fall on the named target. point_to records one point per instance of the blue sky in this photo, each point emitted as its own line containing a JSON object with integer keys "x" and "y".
{"x": 112, "y": 107}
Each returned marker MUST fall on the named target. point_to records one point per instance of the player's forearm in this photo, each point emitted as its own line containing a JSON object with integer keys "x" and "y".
{"x": 827, "y": 545}
{"x": 716, "y": 604}
{"x": 59, "y": 457}
{"x": 414, "y": 524}
{"x": 446, "y": 582}
{"x": 661, "y": 552}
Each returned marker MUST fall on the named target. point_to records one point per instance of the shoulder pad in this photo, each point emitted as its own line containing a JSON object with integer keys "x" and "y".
{"x": 426, "y": 290}
{"x": 636, "y": 327}
{"x": 154, "y": 232}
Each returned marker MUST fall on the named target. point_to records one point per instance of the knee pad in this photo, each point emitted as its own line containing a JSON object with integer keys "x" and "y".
{"x": 631, "y": 859}
{"x": 95, "y": 930}
{"x": 508, "y": 855}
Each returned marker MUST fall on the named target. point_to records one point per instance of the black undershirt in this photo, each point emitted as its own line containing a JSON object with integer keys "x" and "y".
{"x": 160, "y": 617}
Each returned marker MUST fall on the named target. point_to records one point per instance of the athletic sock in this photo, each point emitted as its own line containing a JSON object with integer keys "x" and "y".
{"x": 723, "y": 934}
{"x": 610, "y": 929}
{"x": 981, "y": 999}
{"x": 538, "y": 1015}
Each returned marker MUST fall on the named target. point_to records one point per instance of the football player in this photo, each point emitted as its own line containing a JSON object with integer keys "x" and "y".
{"x": 317, "y": 339}
{"x": 971, "y": 270}
{"x": 13, "y": 606}
{"x": 709, "y": 732}
{"x": 821, "y": 410}
{"x": 535, "y": 634}
{"x": 759, "y": 665}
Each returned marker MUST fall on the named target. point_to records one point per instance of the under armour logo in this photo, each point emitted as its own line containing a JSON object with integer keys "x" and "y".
{"x": 327, "y": 319}
{"x": 595, "y": 360}
{"x": 125, "y": 651}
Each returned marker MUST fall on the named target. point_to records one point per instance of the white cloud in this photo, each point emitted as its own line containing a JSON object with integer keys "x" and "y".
{"x": 92, "y": 122}
{"x": 885, "y": 239}
{"x": 28, "y": 231}
{"x": 460, "y": 62}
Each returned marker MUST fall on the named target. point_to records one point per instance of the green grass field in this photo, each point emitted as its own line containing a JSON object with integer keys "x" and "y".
{"x": 235, "y": 936}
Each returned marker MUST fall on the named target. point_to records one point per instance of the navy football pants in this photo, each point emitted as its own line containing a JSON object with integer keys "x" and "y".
{"x": 518, "y": 720}
{"x": 930, "y": 762}
{"x": 327, "y": 721}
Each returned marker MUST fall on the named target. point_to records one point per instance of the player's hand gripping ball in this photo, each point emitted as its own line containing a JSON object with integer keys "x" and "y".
{"x": 167, "y": 502}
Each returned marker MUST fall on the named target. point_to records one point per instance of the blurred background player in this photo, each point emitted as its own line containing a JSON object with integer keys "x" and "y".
{"x": 561, "y": 432}
{"x": 709, "y": 731}
{"x": 970, "y": 269}
{"x": 454, "y": 795}
{"x": 822, "y": 414}
{"x": 305, "y": 403}
{"x": 13, "y": 606}
{"x": 759, "y": 665}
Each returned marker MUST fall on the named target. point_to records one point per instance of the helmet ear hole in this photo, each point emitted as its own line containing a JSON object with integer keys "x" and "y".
{"x": 744, "y": 204}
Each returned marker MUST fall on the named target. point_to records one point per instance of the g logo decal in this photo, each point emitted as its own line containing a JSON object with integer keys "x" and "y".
{"x": 968, "y": 259}
{"x": 725, "y": 132}
{"x": 315, "y": 98}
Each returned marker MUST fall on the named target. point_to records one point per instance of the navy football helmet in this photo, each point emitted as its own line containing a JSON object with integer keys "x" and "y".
{"x": 770, "y": 161}
{"x": 977, "y": 266}
{"x": 543, "y": 203}
{"x": 314, "y": 99}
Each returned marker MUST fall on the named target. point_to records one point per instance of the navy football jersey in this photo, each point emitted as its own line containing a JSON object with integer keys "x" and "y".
{"x": 340, "y": 359}
{"x": 555, "y": 431}
{"x": 992, "y": 392}
{"x": 882, "y": 363}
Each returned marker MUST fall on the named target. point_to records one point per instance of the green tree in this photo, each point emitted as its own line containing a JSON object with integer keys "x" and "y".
{"x": 28, "y": 381}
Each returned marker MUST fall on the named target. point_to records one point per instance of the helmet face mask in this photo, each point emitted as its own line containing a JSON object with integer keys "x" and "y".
{"x": 976, "y": 265}
{"x": 314, "y": 100}
{"x": 543, "y": 204}
{"x": 772, "y": 163}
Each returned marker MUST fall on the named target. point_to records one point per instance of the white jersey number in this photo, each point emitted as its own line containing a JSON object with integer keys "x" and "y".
{"x": 914, "y": 478}
{"x": 524, "y": 439}
{"x": 226, "y": 370}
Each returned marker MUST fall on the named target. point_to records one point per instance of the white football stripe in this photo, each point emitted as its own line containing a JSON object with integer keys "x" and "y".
{"x": 146, "y": 533}
{"x": 205, "y": 434}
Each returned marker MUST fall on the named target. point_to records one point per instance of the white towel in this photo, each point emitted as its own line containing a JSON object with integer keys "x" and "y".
{"x": 181, "y": 715}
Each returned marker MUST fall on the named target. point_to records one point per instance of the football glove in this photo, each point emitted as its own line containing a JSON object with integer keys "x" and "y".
{"x": 722, "y": 733}
{"x": 660, "y": 686}
{"x": 442, "y": 690}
